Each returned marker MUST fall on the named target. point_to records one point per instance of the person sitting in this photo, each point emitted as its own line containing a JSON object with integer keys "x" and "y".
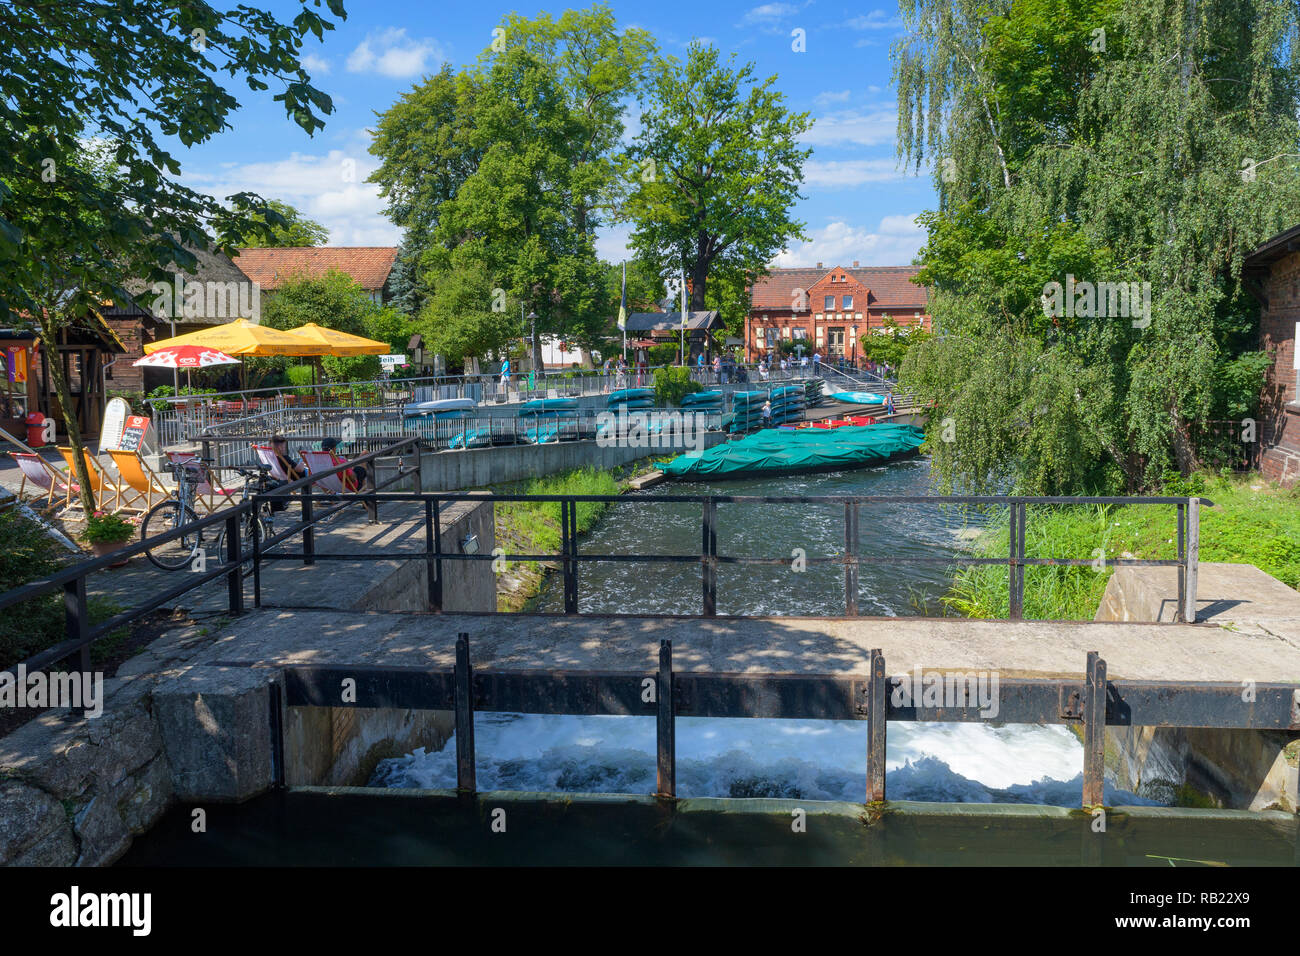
{"x": 280, "y": 446}
{"x": 354, "y": 478}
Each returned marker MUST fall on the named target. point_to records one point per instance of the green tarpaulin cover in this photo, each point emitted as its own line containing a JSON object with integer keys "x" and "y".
{"x": 788, "y": 451}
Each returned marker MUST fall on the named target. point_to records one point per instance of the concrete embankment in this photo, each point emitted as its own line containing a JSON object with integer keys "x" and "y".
{"x": 1242, "y": 769}
{"x": 180, "y": 725}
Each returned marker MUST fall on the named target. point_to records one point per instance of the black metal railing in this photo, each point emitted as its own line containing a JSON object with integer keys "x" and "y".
{"x": 569, "y": 558}
{"x": 318, "y": 506}
{"x": 80, "y": 635}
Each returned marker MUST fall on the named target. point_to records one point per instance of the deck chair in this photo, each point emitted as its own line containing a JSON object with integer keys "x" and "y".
{"x": 208, "y": 495}
{"x": 267, "y": 457}
{"x": 319, "y": 461}
{"x": 40, "y": 473}
{"x": 136, "y": 478}
{"x": 101, "y": 489}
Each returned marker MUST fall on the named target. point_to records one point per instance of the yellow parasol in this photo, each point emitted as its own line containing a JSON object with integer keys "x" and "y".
{"x": 340, "y": 344}
{"x": 245, "y": 338}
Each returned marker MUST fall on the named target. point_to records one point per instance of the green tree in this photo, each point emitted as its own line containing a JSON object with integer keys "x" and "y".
{"x": 336, "y": 301}
{"x": 1028, "y": 111}
{"x": 507, "y": 167}
{"x": 458, "y": 322}
{"x": 717, "y": 166}
{"x": 132, "y": 77}
{"x": 286, "y": 226}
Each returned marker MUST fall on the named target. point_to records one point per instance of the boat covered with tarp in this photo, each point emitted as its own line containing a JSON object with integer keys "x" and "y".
{"x": 777, "y": 451}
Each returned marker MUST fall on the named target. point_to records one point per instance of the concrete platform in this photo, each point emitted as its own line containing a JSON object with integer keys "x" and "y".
{"x": 1167, "y": 652}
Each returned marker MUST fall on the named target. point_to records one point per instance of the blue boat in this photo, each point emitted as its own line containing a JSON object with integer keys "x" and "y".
{"x": 858, "y": 398}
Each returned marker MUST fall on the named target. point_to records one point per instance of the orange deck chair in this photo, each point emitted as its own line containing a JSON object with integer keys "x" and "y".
{"x": 101, "y": 489}
{"x": 137, "y": 479}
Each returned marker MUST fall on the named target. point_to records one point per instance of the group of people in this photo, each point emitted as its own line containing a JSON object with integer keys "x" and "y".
{"x": 354, "y": 478}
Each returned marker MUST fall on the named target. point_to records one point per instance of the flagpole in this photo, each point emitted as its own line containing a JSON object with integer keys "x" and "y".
{"x": 683, "y": 289}
{"x": 622, "y": 311}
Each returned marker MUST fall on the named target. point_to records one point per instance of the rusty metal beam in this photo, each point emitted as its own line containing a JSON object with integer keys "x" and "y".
{"x": 466, "y": 778}
{"x": 876, "y": 724}
{"x": 666, "y": 726}
{"x": 1094, "y": 731}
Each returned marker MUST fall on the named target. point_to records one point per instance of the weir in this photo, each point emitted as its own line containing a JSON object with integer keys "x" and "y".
{"x": 289, "y": 692}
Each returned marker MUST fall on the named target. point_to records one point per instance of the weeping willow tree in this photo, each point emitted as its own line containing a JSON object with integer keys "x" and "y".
{"x": 1111, "y": 141}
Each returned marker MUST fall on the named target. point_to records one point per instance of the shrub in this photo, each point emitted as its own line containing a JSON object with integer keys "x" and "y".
{"x": 671, "y": 384}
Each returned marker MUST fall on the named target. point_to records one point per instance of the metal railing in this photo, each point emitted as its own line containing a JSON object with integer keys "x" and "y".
{"x": 80, "y": 635}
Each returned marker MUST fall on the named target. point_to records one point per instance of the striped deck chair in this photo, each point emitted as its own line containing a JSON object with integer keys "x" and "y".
{"x": 45, "y": 476}
{"x": 208, "y": 495}
{"x": 101, "y": 489}
{"x": 136, "y": 478}
{"x": 319, "y": 461}
{"x": 266, "y": 455}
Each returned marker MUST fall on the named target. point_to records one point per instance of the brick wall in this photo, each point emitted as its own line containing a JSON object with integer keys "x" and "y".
{"x": 123, "y": 376}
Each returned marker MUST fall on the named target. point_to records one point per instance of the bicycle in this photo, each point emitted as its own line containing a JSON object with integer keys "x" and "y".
{"x": 258, "y": 524}
{"x": 171, "y": 515}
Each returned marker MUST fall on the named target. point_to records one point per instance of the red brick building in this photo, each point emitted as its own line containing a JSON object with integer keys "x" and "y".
{"x": 1272, "y": 274}
{"x": 830, "y": 309}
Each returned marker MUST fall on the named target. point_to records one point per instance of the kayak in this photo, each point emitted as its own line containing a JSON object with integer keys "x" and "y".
{"x": 539, "y": 405}
{"x": 858, "y": 398}
{"x": 439, "y": 405}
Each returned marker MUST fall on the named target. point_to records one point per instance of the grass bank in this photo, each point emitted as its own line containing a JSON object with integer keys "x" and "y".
{"x": 534, "y": 527}
{"x": 1252, "y": 522}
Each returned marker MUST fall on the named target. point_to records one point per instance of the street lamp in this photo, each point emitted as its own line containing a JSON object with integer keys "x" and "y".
{"x": 853, "y": 347}
{"x": 532, "y": 339}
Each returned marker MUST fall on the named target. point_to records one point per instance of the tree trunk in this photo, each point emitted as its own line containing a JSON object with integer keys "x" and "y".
{"x": 1184, "y": 449}
{"x": 55, "y": 365}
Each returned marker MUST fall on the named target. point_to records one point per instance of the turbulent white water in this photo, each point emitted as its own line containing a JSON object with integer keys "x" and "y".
{"x": 803, "y": 759}
{"x": 810, "y": 759}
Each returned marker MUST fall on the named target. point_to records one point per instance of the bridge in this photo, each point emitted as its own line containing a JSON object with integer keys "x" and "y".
{"x": 336, "y": 648}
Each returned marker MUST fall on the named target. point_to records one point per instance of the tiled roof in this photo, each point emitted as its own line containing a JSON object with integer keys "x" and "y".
{"x": 271, "y": 268}
{"x": 891, "y": 286}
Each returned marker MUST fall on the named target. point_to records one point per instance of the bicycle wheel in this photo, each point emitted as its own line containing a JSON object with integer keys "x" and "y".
{"x": 177, "y": 553}
{"x": 246, "y": 540}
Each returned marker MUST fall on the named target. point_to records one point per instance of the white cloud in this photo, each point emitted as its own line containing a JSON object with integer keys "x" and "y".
{"x": 315, "y": 64}
{"x": 893, "y": 243}
{"x": 329, "y": 188}
{"x": 853, "y": 127}
{"x": 832, "y": 96}
{"x": 875, "y": 20}
{"x": 769, "y": 13}
{"x": 392, "y": 53}
{"x": 832, "y": 174}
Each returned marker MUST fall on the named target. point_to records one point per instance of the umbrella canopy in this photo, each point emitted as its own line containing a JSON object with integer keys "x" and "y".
{"x": 244, "y": 338}
{"x": 186, "y": 356}
{"x": 340, "y": 344}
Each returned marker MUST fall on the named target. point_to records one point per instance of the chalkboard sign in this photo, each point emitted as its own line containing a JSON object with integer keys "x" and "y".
{"x": 133, "y": 432}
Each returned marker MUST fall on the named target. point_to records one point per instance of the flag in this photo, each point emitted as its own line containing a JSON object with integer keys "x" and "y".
{"x": 622, "y": 303}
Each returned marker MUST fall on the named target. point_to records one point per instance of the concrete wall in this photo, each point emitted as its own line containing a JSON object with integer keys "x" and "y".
{"x": 480, "y": 467}
{"x": 1233, "y": 769}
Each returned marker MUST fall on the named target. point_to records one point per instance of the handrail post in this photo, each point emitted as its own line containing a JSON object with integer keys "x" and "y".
{"x": 234, "y": 556}
{"x": 876, "y": 724}
{"x": 1182, "y": 562}
{"x": 257, "y": 551}
{"x": 1094, "y": 731}
{"x": 1015, "y": 562}
{"x": 1193, "y": 557}
{"x": 708, "y": 556}
{"x": 569, "y": 545}
{"x": 466, "y": 780}
{"x": 76, "y": 619}
{"x": 308, "y": 532}
{"x": 666, "y": 726}
{"x": 851, "y": 515}
{"x": 436, "y": 593}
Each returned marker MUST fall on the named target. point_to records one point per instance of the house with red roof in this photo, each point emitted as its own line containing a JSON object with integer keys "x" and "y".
{"x": 370, "y": 266}
{"x": 830, "y": 309}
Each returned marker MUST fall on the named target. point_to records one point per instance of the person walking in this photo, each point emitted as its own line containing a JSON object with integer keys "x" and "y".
{"x": 767, "y": 414}
{"x": 505, "y": 374}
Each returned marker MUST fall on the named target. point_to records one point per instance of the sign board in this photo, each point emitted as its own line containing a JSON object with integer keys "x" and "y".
{"x": 115, "y": 414}
{"x": 390, "y": 362}
{"x": 133, "y": 431}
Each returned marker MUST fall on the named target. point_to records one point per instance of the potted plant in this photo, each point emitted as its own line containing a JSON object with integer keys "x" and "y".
{"x": 106, "y": 533}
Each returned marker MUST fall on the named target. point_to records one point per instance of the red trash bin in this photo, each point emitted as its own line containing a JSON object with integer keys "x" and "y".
{"x": 36, "y": 430}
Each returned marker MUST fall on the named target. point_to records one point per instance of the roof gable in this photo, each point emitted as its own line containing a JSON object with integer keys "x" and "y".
{"x": 890, "y": 287}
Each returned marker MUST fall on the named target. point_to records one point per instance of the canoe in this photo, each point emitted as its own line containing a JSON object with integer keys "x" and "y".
{"x": 628, "y": 394}
{"x": 439, "y": 405}
{"x": 858, "y": 398}
{"x": 539, "y": 405}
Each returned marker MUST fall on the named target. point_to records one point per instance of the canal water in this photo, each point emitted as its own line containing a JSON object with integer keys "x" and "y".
{"x": 801, "y": 759}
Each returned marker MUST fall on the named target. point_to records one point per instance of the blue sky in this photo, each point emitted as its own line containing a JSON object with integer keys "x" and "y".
{"x": 858, "y": 204}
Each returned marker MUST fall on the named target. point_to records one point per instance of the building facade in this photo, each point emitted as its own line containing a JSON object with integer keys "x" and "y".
{"x": 828, "y": 310}
{"x": 1272, "y": 274}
